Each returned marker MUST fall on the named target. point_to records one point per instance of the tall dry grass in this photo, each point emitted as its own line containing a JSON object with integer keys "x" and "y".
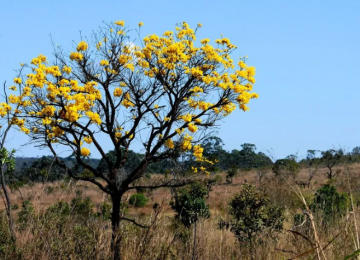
{"x": 48, "y": 236}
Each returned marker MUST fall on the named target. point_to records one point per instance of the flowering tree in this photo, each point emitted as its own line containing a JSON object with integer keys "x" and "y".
{"x": 164, "y": 94}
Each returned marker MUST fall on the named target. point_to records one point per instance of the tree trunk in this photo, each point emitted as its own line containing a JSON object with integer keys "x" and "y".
{"x": 7, "y": 205}
{"x": 115, "y": 223}
{"x": 194, "y": 246}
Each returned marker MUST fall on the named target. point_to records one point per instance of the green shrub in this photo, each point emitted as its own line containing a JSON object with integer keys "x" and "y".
{"x": 218, "y": 179}
{"x": 15, "y": 207}
{"x": 330, "y": 203}
{"x": 82, "y": 207}
{"x": 60, "y": 208}
{"x": 138, "y": 200}
{"x": 25, "y": 214}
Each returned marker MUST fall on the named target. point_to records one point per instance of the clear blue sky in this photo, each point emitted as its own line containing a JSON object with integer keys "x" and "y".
{"x": 306, "y": 54}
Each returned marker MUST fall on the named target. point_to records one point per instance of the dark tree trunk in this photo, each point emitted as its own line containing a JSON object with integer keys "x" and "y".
{"x": 115, "y": 223}
{"x": 7, "y": 205}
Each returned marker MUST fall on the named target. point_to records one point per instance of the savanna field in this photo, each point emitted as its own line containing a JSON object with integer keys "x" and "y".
{"x": 46, "y": 229}
{"x": 131, "y": 131}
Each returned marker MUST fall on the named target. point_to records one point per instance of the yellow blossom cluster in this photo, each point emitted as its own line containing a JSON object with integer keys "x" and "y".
{"x": 198, "y": 151}
{"x": 82, "y": 46}
{"x": 85, "y": 152}
{"x": 169, "y": 144}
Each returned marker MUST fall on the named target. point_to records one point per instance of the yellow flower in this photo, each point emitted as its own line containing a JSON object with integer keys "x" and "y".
{"x": 17, "y": 80}
{"x": 117, "y": 92}
{"x": 186, "y": 118}
{"x": 156, "y": 106}
{"x": 141, "y": 24}
{"x": 169, "y": 143}
{"x": 88, "y": 139}
{"x": 192, "y": 128}
{"x": 199, "y": 25}
{"x": 98, "y": 45}
{"x": 82, "y": 46}
{"x": 179, "y": 131}
{"x": 186, "y": 143}
{"x": 66, "y": 69}
{"x": 94, "y": 117}
{"x": 85, "y": 152}
{"x": 198, "y": 151}
{"x": 104, "y": 63}
{"x": 13, "y": 88}
{"x": 120, "y": 23}
{"x": 131, "y": 136}
{"x": 76, "y": 56}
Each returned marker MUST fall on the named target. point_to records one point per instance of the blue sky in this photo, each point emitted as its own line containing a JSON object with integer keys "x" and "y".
{"x": 306, "y": 55}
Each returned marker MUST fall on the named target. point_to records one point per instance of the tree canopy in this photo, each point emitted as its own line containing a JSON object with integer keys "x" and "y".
{"x": 166, "y": 93}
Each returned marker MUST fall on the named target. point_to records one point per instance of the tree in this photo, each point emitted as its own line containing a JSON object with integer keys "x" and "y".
{"x": 254, "y": 214}
{"x": 230, "y": 174}
{"x": 312, "y": 165}
{"x": 286, "y": 168}
{"x": 190, "y": 205}
{"x": 166, "y": 96}
{"x": 331, "y": 158}
{"x": 7, "y": 160}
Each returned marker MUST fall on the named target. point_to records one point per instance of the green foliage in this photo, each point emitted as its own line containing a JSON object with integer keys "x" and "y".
{"x": 14, "y": 206}
{"x": 138, "y": 200}
{"x": 287, "y": 168}
{"x": 105, "y": 211}
{"x": 230, "y": 174}
{"x": 190, "y": 204}
{"x": 246, "y": 158}
{"x": 25, "y": 214}
{"x": 82, "y": 207}
{"x": 253, "y": 214}
{"x": 60, "y": 208}
{"x": 218, "y": 179}
{"x": 330, "y": 203}
{"x": 6, "y": 243}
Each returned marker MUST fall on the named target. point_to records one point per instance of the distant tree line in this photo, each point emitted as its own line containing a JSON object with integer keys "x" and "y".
{"x": 44, "y": 169}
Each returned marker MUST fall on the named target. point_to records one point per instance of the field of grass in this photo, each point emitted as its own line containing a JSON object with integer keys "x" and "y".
{"x": 74, "y": 236}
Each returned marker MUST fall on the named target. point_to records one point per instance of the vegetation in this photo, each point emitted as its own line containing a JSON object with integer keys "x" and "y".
{"x": 190, "y": 206}
{"x": 254, "y": 214}
{"x": 138, "y": 200}
{"x": 166, "y": 95}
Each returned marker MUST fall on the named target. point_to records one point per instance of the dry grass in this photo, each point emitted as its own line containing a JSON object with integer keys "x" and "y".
{"x": 79, "y": 238}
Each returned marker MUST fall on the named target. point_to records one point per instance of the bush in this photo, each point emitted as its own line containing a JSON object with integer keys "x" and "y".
{"x": 60, "y": 208}
{"x": 83, "y": 207}
{"x": 254, "y": 215}
{"x": 218, "y": 179}
{"x": 330, "y": 203}
{"x": 25, "y": 214}
{"x": 138, "y": 200}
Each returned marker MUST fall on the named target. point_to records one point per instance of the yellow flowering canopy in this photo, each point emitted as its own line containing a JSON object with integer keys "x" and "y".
{"x": 165, "y": 93}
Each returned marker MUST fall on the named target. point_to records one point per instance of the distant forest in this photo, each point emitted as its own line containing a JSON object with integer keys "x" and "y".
{"x": 45, "y": 169}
